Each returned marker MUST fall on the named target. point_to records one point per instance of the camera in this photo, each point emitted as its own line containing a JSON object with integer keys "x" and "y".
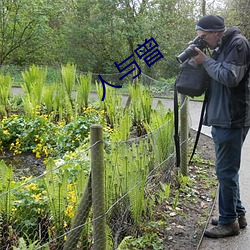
{"x": 190, "y": 51}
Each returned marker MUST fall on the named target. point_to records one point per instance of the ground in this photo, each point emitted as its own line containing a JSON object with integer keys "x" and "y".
{"x": 196, "y": 200}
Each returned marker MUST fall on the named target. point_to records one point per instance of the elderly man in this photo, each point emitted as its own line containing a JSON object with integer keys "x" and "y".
{"x": 228, "y": 112}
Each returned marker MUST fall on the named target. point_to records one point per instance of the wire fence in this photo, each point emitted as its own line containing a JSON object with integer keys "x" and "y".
{"x": 158, "y": 87}
{"x": 46, "y": 211}
{"x": 57, "y": 209}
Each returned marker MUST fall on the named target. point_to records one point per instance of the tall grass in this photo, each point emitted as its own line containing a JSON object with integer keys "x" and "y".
{"x": 83, "y": 91}
{"x": 68, "y": 74}
{"x": 33, "y": 86}
{"x": 5, "y": 90}
{"x": 161, "y": 128}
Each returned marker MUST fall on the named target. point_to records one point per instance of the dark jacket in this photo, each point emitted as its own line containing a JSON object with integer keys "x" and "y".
{"x": 229, "y": 90}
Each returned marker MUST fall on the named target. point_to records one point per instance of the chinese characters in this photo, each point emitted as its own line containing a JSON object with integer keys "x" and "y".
{"x": 148, "y": 51}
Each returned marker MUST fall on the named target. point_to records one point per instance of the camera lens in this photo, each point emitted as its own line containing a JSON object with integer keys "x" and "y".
{"x": 187, "y": 53}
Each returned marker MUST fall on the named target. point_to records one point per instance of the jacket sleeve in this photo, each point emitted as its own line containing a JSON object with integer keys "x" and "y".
{"x": 234, "y": 66}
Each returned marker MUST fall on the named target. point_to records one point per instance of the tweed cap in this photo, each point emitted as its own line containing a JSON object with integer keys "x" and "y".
{"x": 210, "y": 23}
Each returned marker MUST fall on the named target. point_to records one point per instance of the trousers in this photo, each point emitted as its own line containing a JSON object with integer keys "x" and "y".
{"x": 228, "y": 146}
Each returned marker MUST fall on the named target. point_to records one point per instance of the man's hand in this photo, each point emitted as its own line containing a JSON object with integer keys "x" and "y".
{"x": 200, "y": 58}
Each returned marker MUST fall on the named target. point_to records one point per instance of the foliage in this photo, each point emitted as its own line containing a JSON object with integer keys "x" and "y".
{"x": 141, "y": 104}
{"x": 23, "y": 28}
{"x": 51, "y": 201}
{"x": 46, "y": 205}
{"x": 5, "y": 89}
{"x": 162, "y": 140}
{"x": 47, "y": 32}
{"x": 68, "y": 74}
{"x": 6, "y": 184}
{"x": 112, "y": 106}
{"x": 43, "y": 137}
{"x": 34, "y": 81}
{"x": 147, "y": 241}
{"x": 83, "y": 90}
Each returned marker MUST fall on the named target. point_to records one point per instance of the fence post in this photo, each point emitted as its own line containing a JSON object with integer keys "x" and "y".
{"x": 184, "y": 135}
{"x": 98, "y": 195}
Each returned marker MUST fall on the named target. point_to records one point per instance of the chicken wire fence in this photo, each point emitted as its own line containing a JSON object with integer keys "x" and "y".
{"x": 55, "y": 210}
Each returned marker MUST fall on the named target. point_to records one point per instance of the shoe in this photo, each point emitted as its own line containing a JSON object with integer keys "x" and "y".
{"x": 241, "y": 219}
{"x": 221, "y": 231}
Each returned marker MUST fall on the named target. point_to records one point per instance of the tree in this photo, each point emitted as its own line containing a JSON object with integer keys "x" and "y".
{"x": 20, "y": 22}
{"x": 237, "y": 13}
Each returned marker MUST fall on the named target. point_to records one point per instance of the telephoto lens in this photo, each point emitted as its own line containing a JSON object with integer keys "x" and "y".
{"x": 190, "y": 51}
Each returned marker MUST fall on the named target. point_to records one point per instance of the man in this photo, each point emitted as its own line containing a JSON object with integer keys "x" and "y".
{"x": 228, "y": 112}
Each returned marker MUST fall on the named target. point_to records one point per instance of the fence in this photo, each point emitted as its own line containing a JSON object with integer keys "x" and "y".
{"x": 64, "y": 208}
{"x": 134, "y": 171}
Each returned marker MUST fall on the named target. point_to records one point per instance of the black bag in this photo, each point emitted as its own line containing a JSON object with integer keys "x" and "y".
{"x": 192, "y": 80}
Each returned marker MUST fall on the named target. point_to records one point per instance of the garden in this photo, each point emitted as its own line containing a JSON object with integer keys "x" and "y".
{"x": 50, "y": 122}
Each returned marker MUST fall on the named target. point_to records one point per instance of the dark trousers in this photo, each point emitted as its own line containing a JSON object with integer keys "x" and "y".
{"x": 228, "y": 145}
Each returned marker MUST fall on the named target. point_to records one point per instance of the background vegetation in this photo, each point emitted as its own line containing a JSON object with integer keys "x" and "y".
{"x": 93, "y": 34}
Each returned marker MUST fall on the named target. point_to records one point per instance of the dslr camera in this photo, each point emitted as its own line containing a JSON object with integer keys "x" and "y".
{"x": 190, "y": 51}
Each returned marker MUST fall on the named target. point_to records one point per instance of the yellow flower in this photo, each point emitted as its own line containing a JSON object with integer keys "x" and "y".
{"x": 37, "y": 196}
{"x": 31, "y": 187}
{"x": 73, "y": 199}
{"x": 38, "y": 156}
{"x": 14, "y": 209}
{"x": 6, "y": 132}
{"x": 69, "y": 211}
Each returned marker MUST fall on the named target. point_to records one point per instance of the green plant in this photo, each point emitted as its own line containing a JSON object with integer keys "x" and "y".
{"x": 48, "y": 98}
{"x": 164, "y": 191}
{"x": 6, "y": 184}
{"x": 161, "y": 128}
{"x": 56, "y": 187}
{"x": 113, "y": 107}
{"x": 68, "y": 74}
{"x": 30, "y": 208}
{"x": 122, "y": 126}
{"x": 184, "y": 181}
{"x": 83, "y": 91}
{"x": 176, "y": 199}
{"x": 29, "y": 245}
{"x": 5, "y": 90}
{"x": 126, "y": 172}
{"x": 34, "y": 81}
{"x": 141, "y": 103}
{"x": 147, "y": 241}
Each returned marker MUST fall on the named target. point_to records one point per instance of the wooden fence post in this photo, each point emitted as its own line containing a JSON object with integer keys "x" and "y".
{"x": 184, "y": 135}
{"x": 98, "y": 194}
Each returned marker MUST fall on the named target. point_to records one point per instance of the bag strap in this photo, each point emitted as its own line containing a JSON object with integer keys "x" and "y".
{"x": 199, "y": 127}
{"x": 176, "y": 126}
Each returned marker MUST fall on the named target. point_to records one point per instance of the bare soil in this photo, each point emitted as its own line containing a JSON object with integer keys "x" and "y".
{"x": 187, "y": 222}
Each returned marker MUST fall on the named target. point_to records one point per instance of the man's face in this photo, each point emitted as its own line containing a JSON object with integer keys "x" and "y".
{"x": 211, "y": 38}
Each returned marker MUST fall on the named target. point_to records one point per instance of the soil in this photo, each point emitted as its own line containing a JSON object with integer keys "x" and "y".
{"x": 186, "y": 223}
{"x": 25, "y": 164}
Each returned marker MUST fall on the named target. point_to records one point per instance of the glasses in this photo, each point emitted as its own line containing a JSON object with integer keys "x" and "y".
{"x": 203, "y": 36}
